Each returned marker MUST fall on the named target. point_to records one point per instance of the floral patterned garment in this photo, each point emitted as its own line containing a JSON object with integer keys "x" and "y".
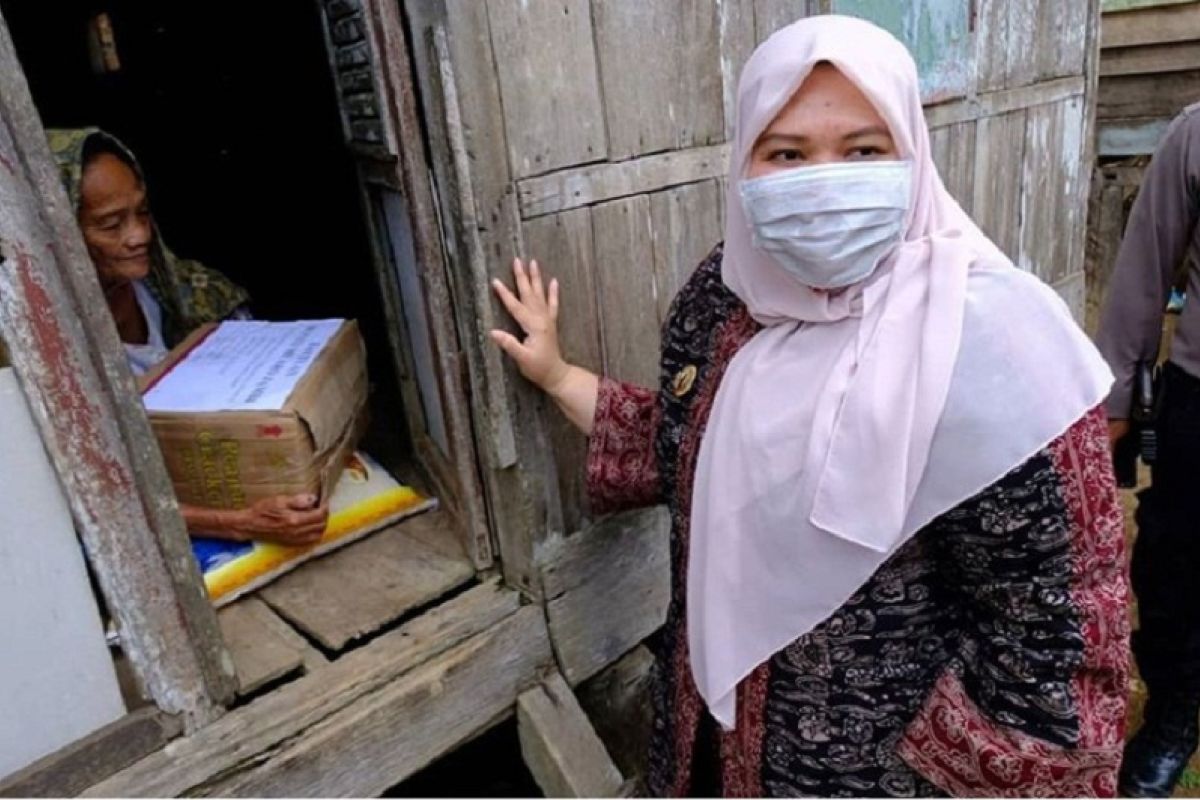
{"x": 987, "y": 657}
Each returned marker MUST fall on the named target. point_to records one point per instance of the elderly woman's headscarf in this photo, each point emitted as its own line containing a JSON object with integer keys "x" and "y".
{"x": 854, "y": 418}
{"x": 190, "y": 293}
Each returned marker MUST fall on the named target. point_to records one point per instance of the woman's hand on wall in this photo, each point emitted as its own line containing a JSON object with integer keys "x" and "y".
{"x": 535, "y": 309}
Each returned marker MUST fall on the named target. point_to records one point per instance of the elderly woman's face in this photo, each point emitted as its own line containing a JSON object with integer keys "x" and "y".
{"x": 115, "y": 220}
{"x": 827, "y": 120}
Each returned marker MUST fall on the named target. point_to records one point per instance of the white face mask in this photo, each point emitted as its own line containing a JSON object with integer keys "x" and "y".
{"x": 829, "y": 225}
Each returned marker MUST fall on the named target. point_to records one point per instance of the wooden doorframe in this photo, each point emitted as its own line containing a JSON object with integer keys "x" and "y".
{"x": 389, "y": 151}
{"x": 71, "y": 366}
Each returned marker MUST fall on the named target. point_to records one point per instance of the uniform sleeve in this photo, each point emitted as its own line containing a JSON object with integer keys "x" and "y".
{"x": 1036, "y": 694}
{"x": 1156, "y": 238}
{"x": 622, "y": 469}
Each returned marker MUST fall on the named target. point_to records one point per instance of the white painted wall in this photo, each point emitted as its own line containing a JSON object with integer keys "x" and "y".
{"x": 56, "y": 675}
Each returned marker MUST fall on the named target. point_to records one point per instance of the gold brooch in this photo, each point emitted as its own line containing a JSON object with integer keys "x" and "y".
{"x": 682, "y": 383}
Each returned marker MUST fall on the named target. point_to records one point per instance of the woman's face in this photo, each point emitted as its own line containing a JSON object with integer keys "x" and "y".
{"x": 115, "y": 220}
{"x": 827, "y": 120}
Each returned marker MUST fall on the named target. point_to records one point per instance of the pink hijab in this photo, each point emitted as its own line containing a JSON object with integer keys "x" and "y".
{"x": 853, "y": 419}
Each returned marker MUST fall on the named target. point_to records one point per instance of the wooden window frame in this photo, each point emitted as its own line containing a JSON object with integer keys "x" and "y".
{"x": 65, "y": 350}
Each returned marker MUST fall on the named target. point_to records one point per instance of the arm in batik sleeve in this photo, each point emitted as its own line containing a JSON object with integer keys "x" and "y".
{"x": 622, "y": 469}
{"x": 1037, "y": 692}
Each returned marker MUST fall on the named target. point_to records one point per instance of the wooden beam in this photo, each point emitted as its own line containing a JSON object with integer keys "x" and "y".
{"x": 414, "y": 176}
{"x": 74, "y": 371}
{"x": 1172, "y": 57}
{"x": 560, "y": 747}
{"x": 1135, "y": 137}
{"x": 386, "y": 736}
{"x": 247, "y": 736}
{"x": 617, "y": 700}
{"x": 991, "y": 104}
{"x": 1149, "y": 96}
{"x": 597, "y": 183}
{"x": 607, "y": 589}
{"x": 480, "y": 207}
{"x": 93, "y": 758}
{"x": 1151, "y": 26}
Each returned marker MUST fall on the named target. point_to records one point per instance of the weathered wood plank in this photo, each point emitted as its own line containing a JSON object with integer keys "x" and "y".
{"x": 361, "y": 588}
{"x": 1061, "y": 38}
{"x": 260, "y": 653}
{"x": 499, "y": 425}
{"x": 647, "y": 51}
{"x": 560, "y": 747}
{"x": 1004, "y": 101}
{"x": 617, "y": 701}
{"x": 1154, "y": 96}
{"x": 991, "y": 31}
{"x": 1112, "y": 193}
{"x": 1054, "y": 199}
{"x": 1006, "y": 31}
{"x": 1151, "y": 26}
{"x": 438, "y": 532}
{"x": 563, "y": 245}
{"x": 546, "y": 63}
{"x": 1021, "y": 41}
{"x": 735, "y": 23}
{"x": 469, "y": 147}
{"x": 628, "y": 289}
{"x": 937, "y": 33}
{"x": 1042, "y": 173}
{"x": 384, "y": 737}
{"x": 1073, "y": 290}
{"x": 75, "y": 373}
{"x": 597, "y": 183}
{"x": 1171, "y": 57}
{"x": 771, "y": 15}
{"x": 996, "y": 199}
{"x": 685, "y": 224}
{"x": 608, "y": 588}
{"x": 239, "y": 740}
{"x": 467, "y": 495}
{"x": 1135, "y": 137}
{"x": 93, "y": 758}
{"x": 954, "y": 152}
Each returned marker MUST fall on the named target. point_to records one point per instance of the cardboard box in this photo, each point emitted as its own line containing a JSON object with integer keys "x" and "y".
{"x": 230, "y": 459}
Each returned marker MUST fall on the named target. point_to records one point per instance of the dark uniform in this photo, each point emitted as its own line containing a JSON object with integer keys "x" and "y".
{"x": 1161, "y": 239}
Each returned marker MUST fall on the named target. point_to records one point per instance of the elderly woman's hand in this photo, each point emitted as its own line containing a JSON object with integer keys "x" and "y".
{"x": 285, "y": 519}
{"x": 538, "y": 358}
{"x": 536, "y": 310}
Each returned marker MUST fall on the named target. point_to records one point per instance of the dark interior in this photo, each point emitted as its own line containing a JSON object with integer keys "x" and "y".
{"x": 232, "y": 111}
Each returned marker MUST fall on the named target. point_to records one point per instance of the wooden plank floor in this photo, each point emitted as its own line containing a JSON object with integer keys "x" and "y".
{"x": 355, "y": 591}
{"x": 341, "y": 597}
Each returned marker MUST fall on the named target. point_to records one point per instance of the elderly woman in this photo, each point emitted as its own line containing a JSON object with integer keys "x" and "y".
{"x": 897, "y": 548}
{"x": 156, "y": 300}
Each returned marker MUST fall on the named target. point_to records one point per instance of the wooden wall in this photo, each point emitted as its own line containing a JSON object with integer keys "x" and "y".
{"x": 594, "y": 139}
{"x": 1149, "y": 70}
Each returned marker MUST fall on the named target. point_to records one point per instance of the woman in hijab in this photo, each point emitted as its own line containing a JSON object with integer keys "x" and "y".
{"x": 897, "y": 549}
{"x": 156, "y": 300}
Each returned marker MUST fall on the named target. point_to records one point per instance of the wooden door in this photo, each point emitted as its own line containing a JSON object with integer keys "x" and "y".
{"x": 372, "y": 69}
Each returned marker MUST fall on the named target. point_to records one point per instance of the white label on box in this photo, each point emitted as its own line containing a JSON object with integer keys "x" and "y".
{"x": 243, "y": 365}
